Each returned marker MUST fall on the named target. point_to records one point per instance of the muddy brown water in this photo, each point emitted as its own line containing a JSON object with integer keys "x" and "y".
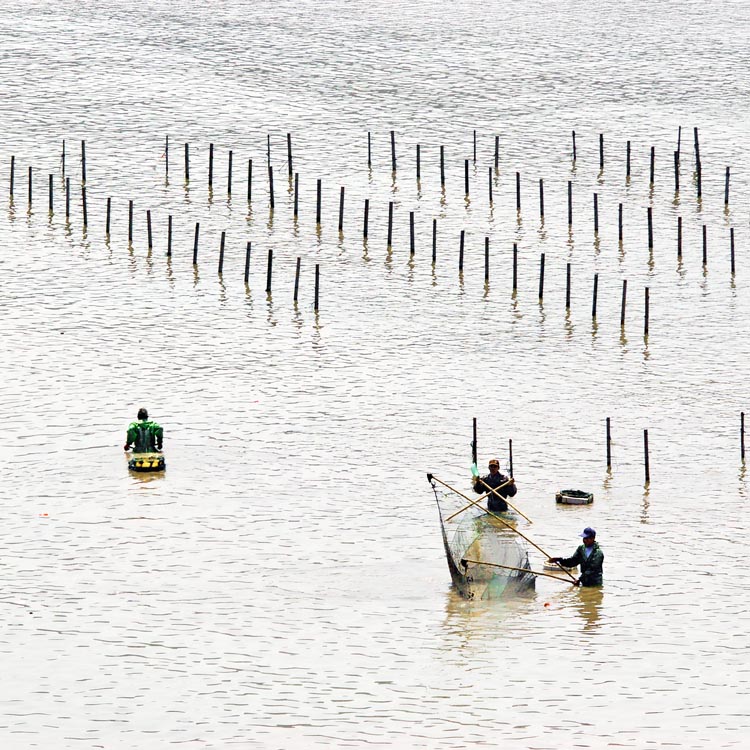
{"x": 283, "y": 584}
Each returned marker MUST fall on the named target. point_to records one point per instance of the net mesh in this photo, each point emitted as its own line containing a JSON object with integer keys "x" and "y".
{"x": 475, "y": 542}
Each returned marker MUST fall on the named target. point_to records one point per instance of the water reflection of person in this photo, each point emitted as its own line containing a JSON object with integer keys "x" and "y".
{"x": 588, "y": 604}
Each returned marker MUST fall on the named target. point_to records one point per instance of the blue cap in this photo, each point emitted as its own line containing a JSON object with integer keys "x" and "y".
{"x": 588, "y": 531}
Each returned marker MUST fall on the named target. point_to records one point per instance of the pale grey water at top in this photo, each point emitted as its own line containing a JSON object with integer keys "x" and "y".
{"x": 284, "y": 584}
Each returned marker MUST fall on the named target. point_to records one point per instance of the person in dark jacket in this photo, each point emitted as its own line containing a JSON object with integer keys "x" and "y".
{"x": 494, "y": 479}
{"x": 588, "y": 556}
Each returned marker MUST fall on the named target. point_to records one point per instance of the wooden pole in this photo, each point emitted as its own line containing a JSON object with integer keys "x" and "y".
{"x": 731, "y": 249}
{"x": 109, "y": 216}
{"x": 390, "y": 225}
{"x": 601, "y": 151}
{"x": 270, "y": 187}
{"x": 518, "y": 191}
{"x": 619, "y": 222}
{"x": 474, "y": 447}
{"x": 130, "y": 222}
{"x": 496, "y": 491}
{"x": 149, "y": 235}
{"x": 67, "y": 199}
{"x": 318, "y": 202}
{"x": 247, "y": 262}
{"x": 541, "y": 277}
{"x": 31, "y": 183}
{"x": 486, "y": 260}
{"x": 705, "y": 247}
{"x": 229, "y": 175}
{"x": 567, "y": 287}
{"x": 461, "y": 253}
{"x": 651, "y": 168}
{"x": 574, "y": 147}
{"x": 49, "y": 191}
{"x": 646, "y": 312}
{"x": 645, "y": 456}
{"x": 296, "y": 195}
{"x": 679, "y": 237}
{"x": 187, "y": 162}
{"x": 627, "y": 161}
{"x": 742, "y": 435}
{"x": 366, "y": 218}
{"x": 249, "y": 180}
{"x": 166, "y": 157}
{"x": 317, "y": 285}
{"x": 434, "y": 241}
{"x": 12, "y": 173}
{"x": 596, "y": 292}
{"x": 726, "y": 188}
{"x": 269, "y": 271}
{"x": 195, "y": 243}
{"x": 570, "y": 204}
{"x": 489, "y": 184}
{"x": 515, "y": 266}
{"x": 677, "y": 171}
{"x": 369, "y": 151}
{"x": 475, "y": 147}
{"x": 83, "y": 162}
{"x": 169, "y": 236}
{"x": 609, "y": 445}
{"x": 541, "y": 199}
{"x": 210, "y": 165}
{"x": 296, "y": 279}
{"x": 411, "y": 233}
{"x": 393, "y": 150}
{"x": 624, "y": 299}
{"x": 650, "y": 228}
{"x": 290, "y": 168}
{"x": 268, "y": 150}
{"x": 479, "y": 499}
{"x": 497, "y": 153}
{"x": 510, "y": 457}
{"x": 341, "y": 209}
{"x": 466, "y": 177}
{"x": 442, "y": 166}
{"x": 84, "y": 207}
{"x": 221, "y": 253}
{"x": 63, "y": 158}
{"x": 419, "y": 164}
{"x": 511, "y": 567}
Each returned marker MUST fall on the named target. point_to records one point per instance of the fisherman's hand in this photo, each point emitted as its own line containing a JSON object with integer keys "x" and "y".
{"x": 126, "y": 447}
{"x": 577, "y": 583}
{"x": 554, "y": 560}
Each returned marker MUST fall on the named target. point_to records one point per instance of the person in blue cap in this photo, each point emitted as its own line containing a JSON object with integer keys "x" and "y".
{"x": 588, "y": 556}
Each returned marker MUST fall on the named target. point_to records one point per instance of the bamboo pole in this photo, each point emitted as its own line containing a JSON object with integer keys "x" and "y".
{"x": 479, "y": 500}
{"x": 495, "y": 492}
{"x": 430, "y": 477}
{"x": 522, "y": 570}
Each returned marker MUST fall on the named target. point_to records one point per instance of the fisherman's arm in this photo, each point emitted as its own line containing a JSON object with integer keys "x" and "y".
{"x": 130, "y": 437}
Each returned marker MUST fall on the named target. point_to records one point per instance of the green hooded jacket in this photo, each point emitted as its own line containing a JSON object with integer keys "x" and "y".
{"x": 591, "y": 566}
{"x": 145, "y": 436}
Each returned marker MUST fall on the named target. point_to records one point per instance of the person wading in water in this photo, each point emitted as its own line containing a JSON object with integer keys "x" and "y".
{"x": 144, "y": 436}
{"x": 588, "y": 556}
{"x": 494, "y": 479}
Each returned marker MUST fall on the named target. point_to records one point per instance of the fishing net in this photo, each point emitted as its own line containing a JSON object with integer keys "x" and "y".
{"x": 475, "y": 542}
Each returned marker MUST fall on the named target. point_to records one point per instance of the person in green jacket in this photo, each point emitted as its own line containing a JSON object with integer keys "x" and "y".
{"x": 588, "y": 556}
{"x": 143, "y": 435}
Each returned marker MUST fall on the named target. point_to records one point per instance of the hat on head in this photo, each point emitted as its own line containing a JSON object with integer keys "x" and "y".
{"x": 494, "y": 462}
{"x": 587, "y": 532}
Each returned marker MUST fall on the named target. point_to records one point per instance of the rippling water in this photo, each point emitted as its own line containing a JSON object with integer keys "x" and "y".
{"x": 283, "y": 584}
